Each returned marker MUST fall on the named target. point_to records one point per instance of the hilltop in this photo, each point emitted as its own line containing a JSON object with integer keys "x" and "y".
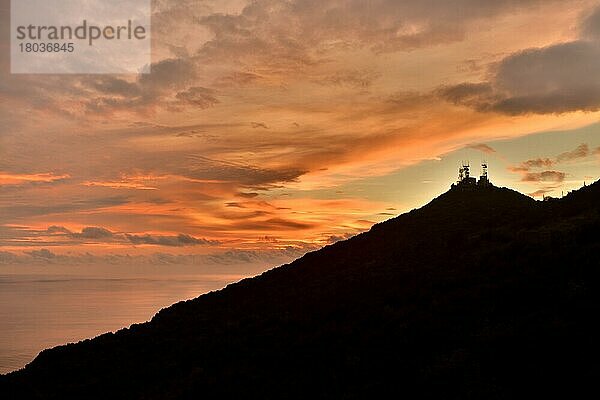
{"x": 479, "y": 294}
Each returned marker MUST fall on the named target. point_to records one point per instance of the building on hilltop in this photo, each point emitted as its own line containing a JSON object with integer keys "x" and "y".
{"x": 466, "y": 181}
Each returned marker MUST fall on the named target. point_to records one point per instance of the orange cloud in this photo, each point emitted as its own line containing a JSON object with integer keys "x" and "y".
{"x": 16, "y": 179}
{"x": 282, "y": 105}
{"x": 120, "y": 185}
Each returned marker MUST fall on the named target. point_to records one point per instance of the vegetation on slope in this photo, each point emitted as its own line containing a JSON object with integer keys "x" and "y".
{"x": 479, "y": 294}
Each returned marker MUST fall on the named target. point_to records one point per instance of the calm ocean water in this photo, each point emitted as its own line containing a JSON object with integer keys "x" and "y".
{"x": 40, "y": 310}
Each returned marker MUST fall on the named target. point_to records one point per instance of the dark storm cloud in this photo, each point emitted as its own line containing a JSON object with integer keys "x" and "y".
{"x": 550, "y": 80}
{"x": 590, "y": 27}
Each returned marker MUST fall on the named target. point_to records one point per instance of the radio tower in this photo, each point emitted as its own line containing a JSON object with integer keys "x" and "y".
{"x": 466, "y": 181}
{"x": 483, "y": 179}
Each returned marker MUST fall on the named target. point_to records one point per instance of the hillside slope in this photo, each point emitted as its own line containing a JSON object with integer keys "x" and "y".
{"x": 479, "y": 294}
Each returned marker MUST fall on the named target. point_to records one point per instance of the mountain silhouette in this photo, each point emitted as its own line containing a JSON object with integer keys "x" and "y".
{"x": 483, "y": 293}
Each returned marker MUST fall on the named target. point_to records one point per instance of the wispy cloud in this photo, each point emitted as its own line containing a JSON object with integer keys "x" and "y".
{"x": 544, "y": 176}
{"x": 581, "y": 151}
{"x": 484, "y": 148}
{"x": 173, "y": 241}
{"x": 238, "y": 257}
{"x": 61, "y": 236}
{"x": 17, "y": 179}
{"x": 526, "y": 166}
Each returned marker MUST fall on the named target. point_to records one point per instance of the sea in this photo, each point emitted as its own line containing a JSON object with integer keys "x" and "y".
{"x": 43, "y": 307}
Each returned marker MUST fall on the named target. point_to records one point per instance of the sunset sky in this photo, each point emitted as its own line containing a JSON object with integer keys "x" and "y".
{"x": 269, "y": 128}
